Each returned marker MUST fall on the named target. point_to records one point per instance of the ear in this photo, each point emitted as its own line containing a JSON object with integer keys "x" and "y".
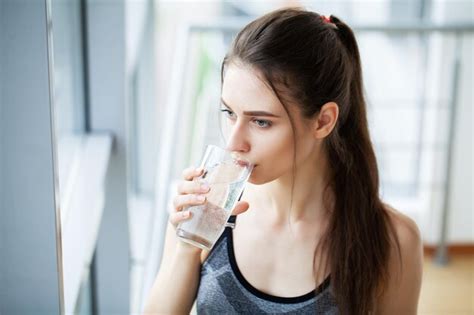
{"x": 326, "y": 120}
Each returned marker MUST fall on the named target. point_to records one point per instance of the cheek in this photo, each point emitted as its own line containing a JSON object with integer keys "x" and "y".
{"x": 275, "y": 156}
{"x": 273, "y": 146}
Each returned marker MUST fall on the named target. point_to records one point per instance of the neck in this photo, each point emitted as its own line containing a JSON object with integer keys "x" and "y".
{"x": 274, "y": 199}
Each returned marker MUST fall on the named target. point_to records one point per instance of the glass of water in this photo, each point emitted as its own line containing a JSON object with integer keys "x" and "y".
{"x": 226, "y": 175}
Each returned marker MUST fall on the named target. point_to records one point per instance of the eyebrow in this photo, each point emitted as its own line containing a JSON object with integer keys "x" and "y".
{"x": 252, "y": 113}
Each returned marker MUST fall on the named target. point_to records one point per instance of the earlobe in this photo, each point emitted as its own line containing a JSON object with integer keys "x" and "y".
{"x": 326, "y": 120}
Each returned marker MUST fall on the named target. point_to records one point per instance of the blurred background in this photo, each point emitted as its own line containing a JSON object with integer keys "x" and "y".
{"x": 104, "y": 102}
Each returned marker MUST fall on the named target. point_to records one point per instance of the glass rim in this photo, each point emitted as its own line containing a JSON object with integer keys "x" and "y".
{"x": 240, "y": 160}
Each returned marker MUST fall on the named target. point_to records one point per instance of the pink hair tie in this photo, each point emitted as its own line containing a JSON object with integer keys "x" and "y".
{"x": 325, "y": 19}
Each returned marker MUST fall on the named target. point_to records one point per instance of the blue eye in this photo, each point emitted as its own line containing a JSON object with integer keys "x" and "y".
{"x": 263, "y": 123}
{"x": 259, "y": 122}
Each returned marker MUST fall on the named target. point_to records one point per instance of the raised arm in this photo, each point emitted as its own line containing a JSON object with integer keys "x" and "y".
{"x": 175, "y": 286}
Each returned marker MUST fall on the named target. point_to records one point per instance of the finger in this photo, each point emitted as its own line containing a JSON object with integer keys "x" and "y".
{"x": 240, "y": 207}
{"x": 191, "y": 172}
{"x": 194, "y": 187}
{"x": 181, "y": 201}
{"x": 178, "y": 217}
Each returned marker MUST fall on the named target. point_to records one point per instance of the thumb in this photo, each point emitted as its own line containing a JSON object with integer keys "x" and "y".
{"x": 240, "y": 207}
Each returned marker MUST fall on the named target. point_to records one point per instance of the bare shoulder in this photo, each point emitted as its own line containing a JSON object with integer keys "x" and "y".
{"x": 406, "y": 228}
{"x": 405, "y": 275}
{"x": 409, "y": 238}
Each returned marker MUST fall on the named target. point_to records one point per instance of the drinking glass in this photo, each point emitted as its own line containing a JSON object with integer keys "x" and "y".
{"x": 226, "y": 175}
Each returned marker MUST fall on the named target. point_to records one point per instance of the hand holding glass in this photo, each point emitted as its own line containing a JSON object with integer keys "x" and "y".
{"x": 226, "y": 175}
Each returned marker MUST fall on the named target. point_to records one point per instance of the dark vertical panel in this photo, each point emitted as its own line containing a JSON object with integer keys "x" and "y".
{"x": 30, "y": 278}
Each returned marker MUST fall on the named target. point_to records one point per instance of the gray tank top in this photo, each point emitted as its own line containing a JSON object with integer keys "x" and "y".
{"x": 224, "y": 290}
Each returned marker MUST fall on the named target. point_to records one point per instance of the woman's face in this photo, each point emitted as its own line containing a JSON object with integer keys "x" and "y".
{"x": 256, "y": 126}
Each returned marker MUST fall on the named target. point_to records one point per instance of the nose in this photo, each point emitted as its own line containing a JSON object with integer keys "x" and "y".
{"x": 237, "y": 141}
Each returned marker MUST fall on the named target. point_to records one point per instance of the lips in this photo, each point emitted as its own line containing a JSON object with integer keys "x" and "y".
{"x": 242, "y": 163}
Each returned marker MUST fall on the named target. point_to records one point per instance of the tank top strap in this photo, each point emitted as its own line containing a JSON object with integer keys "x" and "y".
{"x": 232, "y": 219}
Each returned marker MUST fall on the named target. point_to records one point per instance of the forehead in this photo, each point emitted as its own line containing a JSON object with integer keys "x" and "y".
{"x": 244, "y": 89}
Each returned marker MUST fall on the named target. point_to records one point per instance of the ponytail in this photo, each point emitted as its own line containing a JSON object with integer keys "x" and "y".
{"x": 361, "y": 228}
{"x": 347, "y": 37}
{"x": 314, "y": 60}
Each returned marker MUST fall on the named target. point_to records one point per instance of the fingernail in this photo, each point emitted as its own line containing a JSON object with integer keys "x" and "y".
{"x": 200, "y": 198}
{"x": 185, "y": 214}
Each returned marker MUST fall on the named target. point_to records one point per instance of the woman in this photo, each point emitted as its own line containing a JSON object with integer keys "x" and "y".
{"x": 312, "y": 234}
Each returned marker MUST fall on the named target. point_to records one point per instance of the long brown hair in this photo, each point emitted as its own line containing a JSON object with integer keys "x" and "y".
{"x": 308, "y": 60}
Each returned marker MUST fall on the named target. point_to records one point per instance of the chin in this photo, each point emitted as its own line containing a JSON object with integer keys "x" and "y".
{"x": 256, "y": 178}
{"x": 253, "y": 181}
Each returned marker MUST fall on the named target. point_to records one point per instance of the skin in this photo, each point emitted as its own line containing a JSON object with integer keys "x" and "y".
{"x": 270, "y": 147}
{"x": 285, "y": 268}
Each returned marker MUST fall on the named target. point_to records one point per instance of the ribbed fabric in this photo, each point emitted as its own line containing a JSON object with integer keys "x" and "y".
{"x": 224, "y": 290}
